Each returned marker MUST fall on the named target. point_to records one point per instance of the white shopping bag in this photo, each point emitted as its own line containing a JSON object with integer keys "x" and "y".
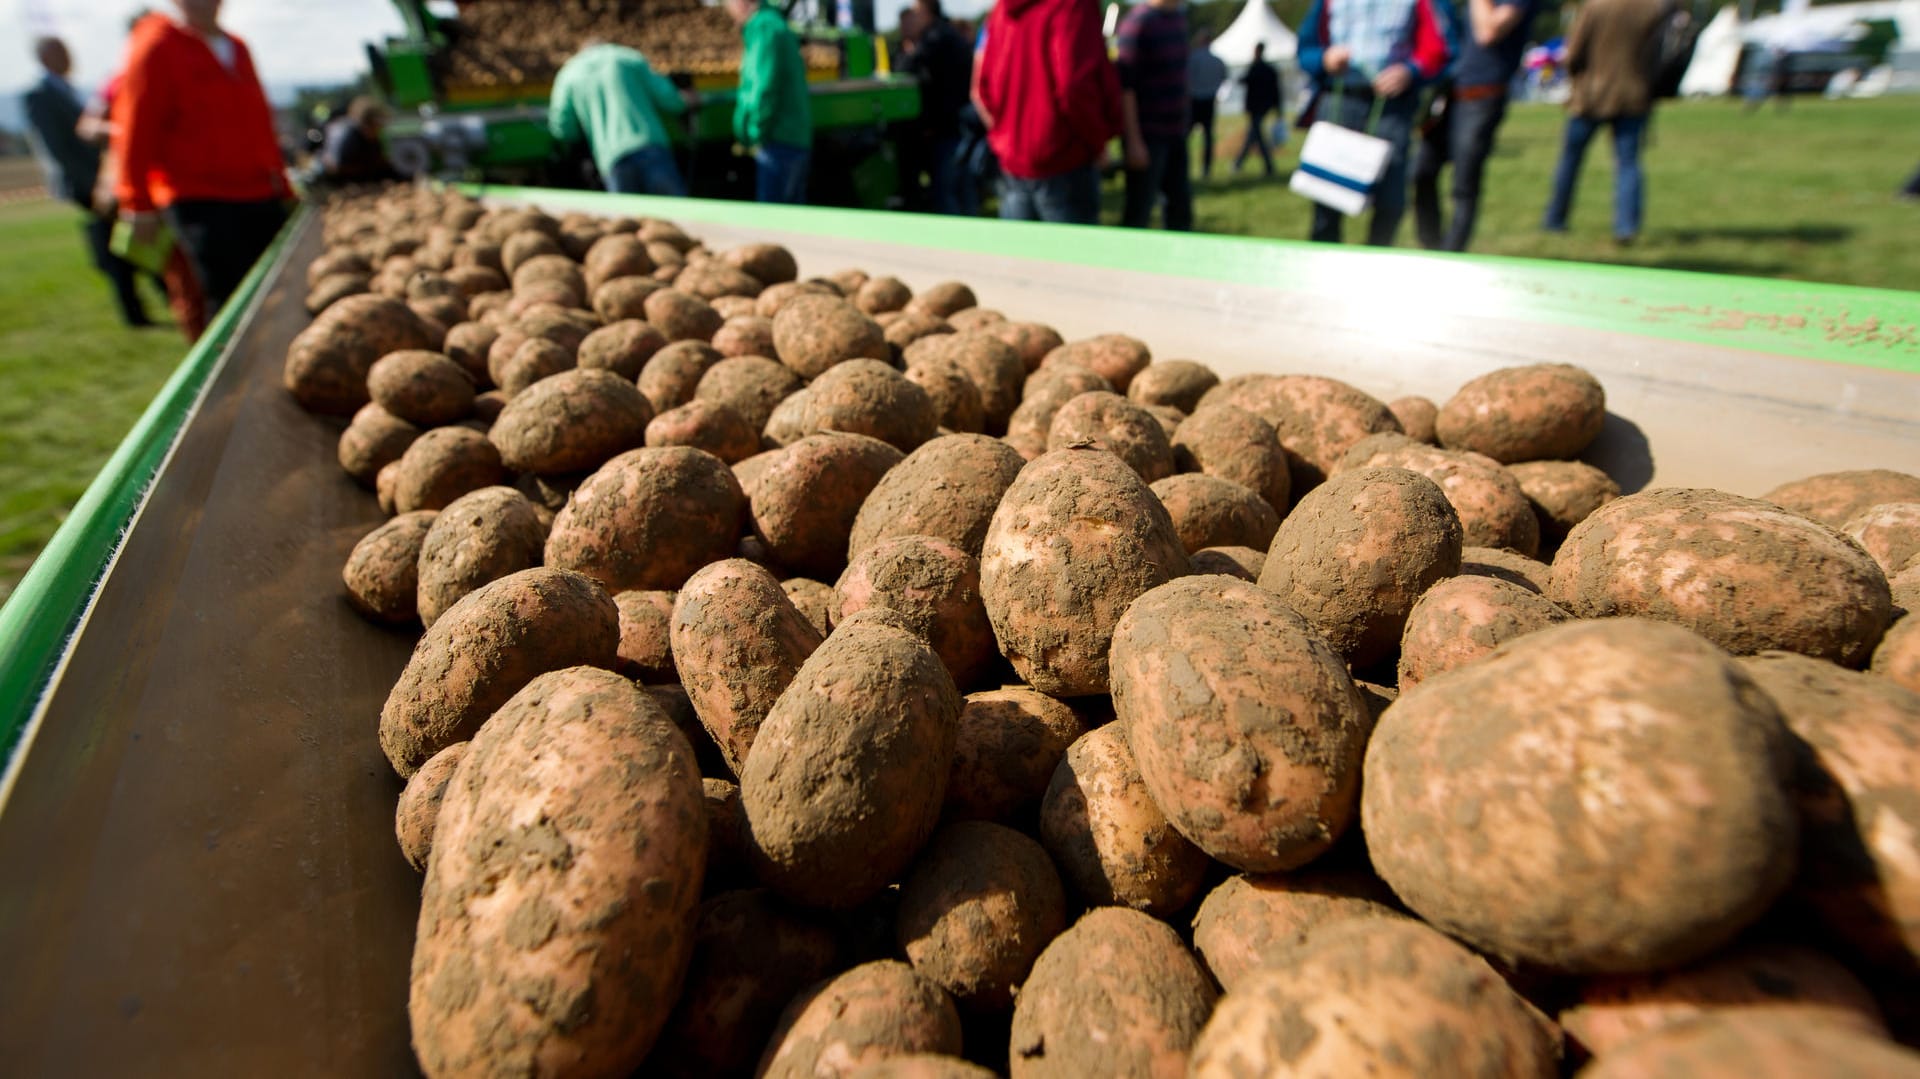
{"x": 1339, "y": 166}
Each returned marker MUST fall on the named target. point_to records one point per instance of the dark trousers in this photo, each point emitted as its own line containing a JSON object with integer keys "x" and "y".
{"x": 1464, "y": 135}
{"x": 118, "y": 271}
{"x": 224, "y": 239}
{"x": 1256, "y": 139}
{"x": 1071, "y": 198}
{"x": 1912, "y": 190}
{"x": 649, "y": 170}
{"x": 1202, "y": 110}
{"x": 1165, "y": 176}
{"x": 1629, "y": 181}
{"x": 1352, "y": 110}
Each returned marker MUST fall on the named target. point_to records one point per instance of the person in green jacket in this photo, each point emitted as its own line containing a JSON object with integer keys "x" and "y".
{"x": 772, "y": 115}
{"x": 612, "y": 97}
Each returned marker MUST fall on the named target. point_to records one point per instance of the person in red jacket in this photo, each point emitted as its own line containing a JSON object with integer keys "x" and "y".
{"x": 194, "y": 139}
{"x": 1050, "y": 98}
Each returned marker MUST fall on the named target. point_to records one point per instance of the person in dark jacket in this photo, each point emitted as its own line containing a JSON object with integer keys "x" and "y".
{"x": 353, "y": 153}
{"x": 1611, "y": 55}
{"x": 72, "y": 165}
{"x": 1469, "y": 120}
{"x": 1051, "y": 101}
{"x": 1154, "y": 113}
{"x": 1262, "y": 84}
{"x": 943, "y": 63}
{"x": 1206, "y": 74}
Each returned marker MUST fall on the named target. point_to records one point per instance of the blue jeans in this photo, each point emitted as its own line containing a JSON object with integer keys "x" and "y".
{"x": 647, "y": 171}
{"x": 781, "y": 173}
{"x": 1352, "y": 110}
{"x": 1629, "y": 185}
{"x": 1463, "y": 136}
{"x": 1071, "y": 198}
{"x": 1165, "y": 174}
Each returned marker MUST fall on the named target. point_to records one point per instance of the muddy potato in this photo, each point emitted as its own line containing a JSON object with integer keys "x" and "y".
{"x": 849, "y": 771}
{"x": 550, "y": 270}
{"x": 1112, "y": 842}
{"x": 975, "y": 318}
{"x": 648, "y": 519}
{"x": 1563, "y": 493}
{"x": 1416, "y": 416}
{"x": 419, "y": 808}
{"x": 1898, "y": 656}
{"x": 334, "y": 288}
{"x": 484, "y": 649}
{"x": 867, "y": 397}
{"x": 1479, "y": 793}
{"x": 1115, "y": 357}
{"x": 1168, "y": 417}
{"x": 995, "y": 369}
{"x": 1358, "y": 551}
{"x": 613, "y": 257}
{"x": 480, "y": 537}
{"x": 1076, "y": 538}
{"x": 923, "y": 1066}
{"x": 1529, "y": 573}
{"x": 935, "y": 587}
{"x": 572, "y": 422}
{"x": 1010, "y": 741}
{"x": 336, "y": 261}
{"x": 1210, "y": 512}
{"x": 1714, "y": 562}
{"x": 1386, "y": 997}
{"x": 1233, "y": 444}
{"x": 752, "y": 385}
{"x": 1116, "y": 995}
{"x": 812, "y": 333}
{"x": 1544, "y": 411}
{"x": 745, "y": 335}
{"x": 467, "y": 344}
{"x": 672, "y": 375}
{"x": 327, "y": 363}
{"x": 645, "y": 652}
{"x": 716, "y": 428}
{"x": 1890, "y": 532}
{"x": 813, "y": 599}
{"x": 1113, "y": 423}
{"x": 681, "y": 316}
{"x": 872, "y": 1013}
{"x": 382, "y": 573}
{"x": 1248, "y": 923}
{"x": 775, "y": 297}
{"x": 1179, "y": 383}
{"x": 375, "y": 439}
{"x": 443, "y": 464}
{"x": 551, "y": 940}
{"x": 1242, "y": 562}
{"x": 737, "y": 641}
{"x": 1857, "y": 747}
{"x": 1316, "y": 419}
{"x": 1755, "y": 1047}
{"x": 956, "y": 400}
{"x": 726, "y": 827}
{"x": 1834, "y": 498}
{"x": 1460, "y": 619}
{"x": 943, "y": 300}
{"x": 806, "y": 501}
{"x": 624, "y": 298}
{"x": 521, "y": 247}
{"x": 475, "y": 280}
{"x": 769, "y": 264}
{"x": 623, "y": 347}
{"x": 948, "y": 488}
{"x": 903, "y": 328}
{"x": 1494, "y": 511}
{"x": 535, "y": 359}
{"x": 878, "y": 295}
{"x": 980, "y": 904}
{"x": 1032, "y": 342}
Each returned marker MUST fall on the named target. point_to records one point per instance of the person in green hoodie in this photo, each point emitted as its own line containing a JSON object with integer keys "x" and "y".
{"x": 772, "y": 115}
{"x": 609, "y": 95}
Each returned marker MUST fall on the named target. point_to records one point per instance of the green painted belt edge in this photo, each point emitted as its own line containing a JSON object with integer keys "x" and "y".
{"x": 1843, "y": 324}
{"x": 41, "y": 618}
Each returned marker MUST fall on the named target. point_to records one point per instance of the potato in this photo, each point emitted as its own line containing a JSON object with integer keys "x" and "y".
{"x": 336, "y": 287}
{"x": 1549, "y": 830}
{"x": 744, "y": 335}
{"x": 707, "y": 425}
{"x": 1358, "y": 551}
{"x": 931, "y": 584}
{"x": 480, "y": 537}
{"x": 645, "y": 653}
{"x": 1210, "y": 512}
{"x": 555, "y": 269}
{"x": 437, "y": 313}
{"x": 655, "y": 231}
{"x": 384, "y": 484}
{"x": 522, "y": 247}
{"x": 849, "y": 771}
{"x": 476, "y": 280}
{"x": 993, "y": 366}
{"x": 1248, "y": 923}
{"x": 865, "y": 1016}
{"x": 1463, "y": 618}
{"x": 1529, "y": 573}
{"x": 975, "y": 318}
{"x": 562, "y": 892}
{"x": 812, "y": 333}
{"x": 737, "y": 641}
{"x": 382, "y": 571}
{"x": 726, "y": 827}
{"x": 751, "y": 385}
{"x": 769, "y": 263}
{"x": 777, "y": 296}
{"x": 1563, "y": 493}
{"x": 1376, "y": 997}
{"x": 948, "y": 488}
{"x": 866, "y": 397}
{"x": 613, "y": 257}
{"x": 1773, "y": 982}
{"x": 680, "y": 316}
{"x": 813, "y": 599}
{"x": 535, "y": 359}
{"x": 648, "y": 519}
{"x": 806, "y": 501}
{"x": 923, "y": 1066}
{"x": 1494, "y": 511}
{"x": 1713, "y": 562}
{"x": 1834, "y": 498}
{"x": 942, "y": 300}
{"x": 955, "y": 399}
{"x": 1242, "y": 562}
{"x": 1756, "y": 1047}
{"x": 903, "y": 328}
{"x": 467, "y": 344}
{"x": 623, "y": 347}
{"x": 751, "y": 955}
{"x": 375, "y": 439}
{"x": 1543, "y": 411}
{"x": 574, "y": 421}
{"x": 443, "y": 464}
{"x": 976, "y": 911}
{"x": 1116, "y": 995}
{"x": 1417, "y": 416}
{"x": 336, "y": 261}
{"x": 673, "y": 374}
{"x": 1857, "y": 749}
{"x": 1168, "y": 417}
{"x": 1179, "y": 383}
{"x": 1233, "y": 444}
{"x": 1107, "y": 834}
{"x": 1113, "y": 423}
{"x": 1010, "y": 741}
{"x": 1113, "y": 356}
{"x": 1898, "y": 656}
{"x": 878, "y": 295}
{"x": 1030, "y": 341}
{"x": 1890, "y": 532}
{"x": 327, "y": 363}
{"x": 419, "y": 808}
{"x": 1316, "y": 419}
{"x": 1076, "y": 538}
{"x": 624, "y": 298}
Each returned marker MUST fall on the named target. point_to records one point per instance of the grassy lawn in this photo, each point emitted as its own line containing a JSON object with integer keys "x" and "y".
{"x": 72, "y": 379}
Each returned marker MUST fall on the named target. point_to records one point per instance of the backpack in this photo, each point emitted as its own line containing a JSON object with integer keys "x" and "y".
{"x": 1673, "y": 43}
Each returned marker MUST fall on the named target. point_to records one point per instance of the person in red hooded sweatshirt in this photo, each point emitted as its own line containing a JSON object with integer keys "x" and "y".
{"x": 194, "y": 139}
{"x": 1050, "y": 98}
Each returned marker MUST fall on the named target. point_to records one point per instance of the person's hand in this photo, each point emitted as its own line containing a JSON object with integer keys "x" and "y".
{"x": 1136, "y": 154}
{"x": 1393, "y": 82}
{"x": 1335, "y": 59}
{"x": 146, "y": 226}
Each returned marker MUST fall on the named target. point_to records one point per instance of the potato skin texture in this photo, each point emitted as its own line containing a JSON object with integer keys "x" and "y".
{"x": 443, "y": 464}
{"x": 672, "y": 375}
{"x": 1211, "y": 512}
{"x": 1546, "y": 411}
{"x": 571, "y": 422}
{"x": 1755, "y": 1047}
{"x": 923, "y": 1066}
{"x": 1463, "y": 618}
{"x": 935, "y": 586}
{"x": 419, "y": 807}
{"x": 1358, "y": 551}
{"x": 382, "y": 574}
{"x": 484, "y": 649}
{"x": 480, "y": 537}
{"x": 1118, "y": 994}
{"x": 716, "y": 428}
{"x": 648, "y": 519}
{"x": 849, "y": 771}
{"x": 1498, "y": 562}
{"x": 646, "y": 619}
{"x": 1563, "y": 494}
{"x": 373, "y": 440}
{"x": 947, "y": 488}
{"x": 1743, "y": 573}
{"x": 738, "y": 641}
{"x": 1113, "y": 423}
{"x": 623, "y": 347}
{"x": 1316, "y": 419}
{"x": 1385, "y": 997}
{"x": 1494, "y": 511}
{"x": 421, "y": 387}
{"x": 1179, "y": 383}
{"x": 1010, "y": 741}
{"x": 1115, "y": 357}
{"x": 1054, "y": 585}
{"x": 1109, "y": 837}
{"x": 753, "y": 385}
{"x": 993, "y": 366}
{"x": 813, "y": 333}
{"x": 1235, "y": 445}
{"x": 327, "y": 363}
{"x": 1833, "y": 498}
{"x": 1483, "y": 803}
{"x": 1890, "y": 532}
{"x": 1030, "y": 341}
{"x": 561, "y": 893}
{"x": 1417, "y": 416}
{"x": 806, "y": 501}
{"x": 867, "y": 397}
{"x": 1897, "y": 658}
{"x": 1248, "y": 923}
{"x": 980, "y": 904}
{"x": 1242, "y": 562}
{"x": 867, "y": 1015}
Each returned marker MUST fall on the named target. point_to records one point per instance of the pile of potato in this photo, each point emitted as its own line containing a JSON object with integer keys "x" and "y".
{"x": 823, "y": 678}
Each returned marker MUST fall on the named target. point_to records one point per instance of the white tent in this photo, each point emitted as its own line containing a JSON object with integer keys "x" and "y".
{"x": 1716, "y": 57}
{"x": 1255, "y": 25}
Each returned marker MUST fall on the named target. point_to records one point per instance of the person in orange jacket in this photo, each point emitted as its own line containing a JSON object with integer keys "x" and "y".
{"x": 194, "y": 139}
